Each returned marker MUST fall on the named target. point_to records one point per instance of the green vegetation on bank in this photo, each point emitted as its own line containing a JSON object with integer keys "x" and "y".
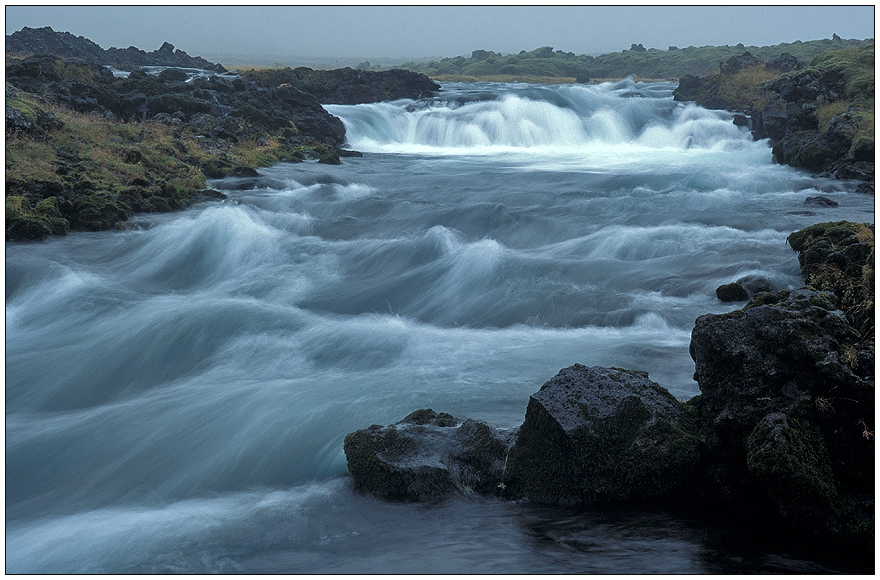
{"x": 70, "y": 170}
{"x": 856, "y": 67}
{"x": 637, "y": 61}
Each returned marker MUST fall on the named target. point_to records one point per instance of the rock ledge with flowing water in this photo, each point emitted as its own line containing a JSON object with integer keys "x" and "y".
{"x": 781, "y": 434}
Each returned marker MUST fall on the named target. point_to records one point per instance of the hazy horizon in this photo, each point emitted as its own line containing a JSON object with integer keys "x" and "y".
{"x": 421, "y": 32}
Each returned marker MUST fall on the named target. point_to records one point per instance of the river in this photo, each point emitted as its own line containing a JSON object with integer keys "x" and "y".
{"x": 177, "y": 393}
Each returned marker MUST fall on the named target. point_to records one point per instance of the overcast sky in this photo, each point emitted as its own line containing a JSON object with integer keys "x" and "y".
{"x": 423, "y": 31}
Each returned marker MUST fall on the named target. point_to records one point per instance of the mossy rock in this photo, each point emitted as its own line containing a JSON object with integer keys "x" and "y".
{"x": 26, "y": 223}
{"x": 48, "y": 207}
{"x": 158, "y": 204}
{"x": 863, "y": 150}
{"x": 215, "y": 168}
{"x": 27, "y": 227}
{"x": 838, "y": 257}
{"x": 790, "y": 459}
{"x": 97, "y": 212}
{"x": 329, "y": 158}
{"x": 789, "y": 463}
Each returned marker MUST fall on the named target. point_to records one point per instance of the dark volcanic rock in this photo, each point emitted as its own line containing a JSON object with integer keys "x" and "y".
{"x": 820, "y": 201}
{"x": 47, "y": 41}
{"x": 428, "y": 456}
{"x": 733, "y": 292}
{"x": 737, "y": 63}
{"x": 779, "y": 351}
{"x": 754, "y": 284}
{"x": 808, "y": 86}
{"x": 785, "y": 63}
{"x": 65, "y": 45}
{"x": 597, "y": 435}
{"x": 787, "y": 405}
{"x": 348, "y": 86}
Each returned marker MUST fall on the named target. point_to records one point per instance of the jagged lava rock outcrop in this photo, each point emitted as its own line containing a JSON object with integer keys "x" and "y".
{"x": 64, "y": 44}
{"x": 347, "y": 86}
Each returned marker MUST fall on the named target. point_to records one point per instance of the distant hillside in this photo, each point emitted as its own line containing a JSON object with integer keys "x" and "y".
{"x": 638, "y": 61}
{"x": 66, "y": 45}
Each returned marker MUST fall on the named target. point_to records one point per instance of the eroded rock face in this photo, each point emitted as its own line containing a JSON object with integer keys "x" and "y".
{"x": 428, "y": 456}
{"x": 597, "y": 435}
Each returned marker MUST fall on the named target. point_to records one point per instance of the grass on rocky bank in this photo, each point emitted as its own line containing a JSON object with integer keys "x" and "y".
{"x": 856, "y": 66}
{"x": 839, "y": 257}
{"x": 76, "y": 171}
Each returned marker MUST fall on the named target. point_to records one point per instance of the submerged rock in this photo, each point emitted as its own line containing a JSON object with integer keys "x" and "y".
{"x": 598, "y": 435}
{"x": 428, "y": 456}
{"x": 733, "y": 292}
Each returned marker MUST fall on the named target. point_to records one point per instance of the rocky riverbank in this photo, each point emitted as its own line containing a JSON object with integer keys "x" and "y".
{"x": 818, "y": 116}
{"x": 88, "y": 146}
{"x": 780, "y": 439}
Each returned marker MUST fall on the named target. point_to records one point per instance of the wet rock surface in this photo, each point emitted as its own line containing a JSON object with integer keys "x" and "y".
{"x": 601, "y": 435}
{"x": 428, "y": 456}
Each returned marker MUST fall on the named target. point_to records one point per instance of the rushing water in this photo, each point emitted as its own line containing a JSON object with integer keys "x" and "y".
{"x": 177, "y": 394}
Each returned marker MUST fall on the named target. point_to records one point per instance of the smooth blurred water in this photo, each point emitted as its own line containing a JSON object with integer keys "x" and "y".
{"x": 177, "y": 393}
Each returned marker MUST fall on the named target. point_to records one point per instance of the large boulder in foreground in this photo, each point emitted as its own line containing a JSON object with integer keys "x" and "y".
{"x": 782, "y": 351}
{"x": 428, "y": 456}
{"x": 787, "y": 408}
{"x": 602, "y": 435}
